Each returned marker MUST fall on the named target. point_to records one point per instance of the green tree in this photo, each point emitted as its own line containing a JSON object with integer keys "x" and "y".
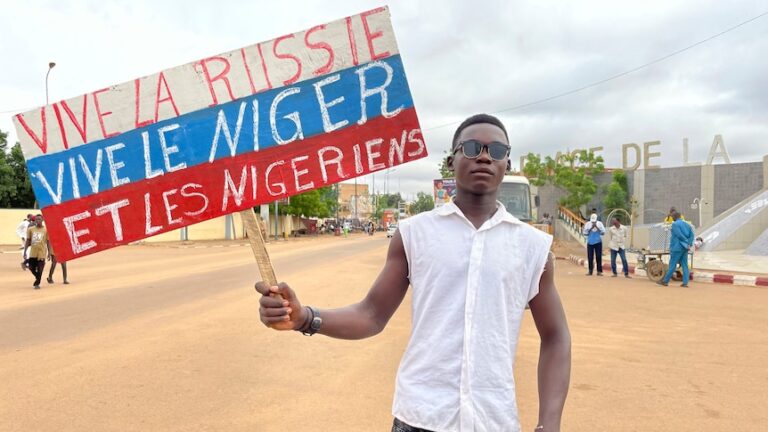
{"x": 318, "y": 203}
{"x": 617, "y": 194}
{"x": 424, "y": 202}
{"x": 572, "y": 172}
{"x": 8, "y": 183}
{"x": 25, "y": 197}
{"x": 443, "y": 167}
{"x": 386, "y": 201}
{"x": 15, "y": 187}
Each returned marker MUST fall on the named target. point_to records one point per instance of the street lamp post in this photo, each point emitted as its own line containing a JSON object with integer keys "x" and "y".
{"x": 697, "y": 205}
{"x": 50, "y": 66}
{"x": 386, "y": 187}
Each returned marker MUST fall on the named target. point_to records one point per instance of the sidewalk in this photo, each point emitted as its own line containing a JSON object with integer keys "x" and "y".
{"x": 697, "y": 274}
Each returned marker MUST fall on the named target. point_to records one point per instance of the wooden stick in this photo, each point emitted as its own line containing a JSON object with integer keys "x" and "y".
{"x": 258, "y": 247}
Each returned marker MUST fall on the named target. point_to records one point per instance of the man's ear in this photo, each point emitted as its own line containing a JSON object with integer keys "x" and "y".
{"x": 449, "y": 163}
{"x": 509, "y": 165}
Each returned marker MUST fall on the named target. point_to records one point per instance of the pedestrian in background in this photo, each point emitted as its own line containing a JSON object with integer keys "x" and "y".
{"x": 593, "y": 230}
{"x": 21, "y": 231}
{"x": 617, "y": 240}
{"x": 54, "y": 260}
{"x": 679, "y": 245}
{"x": 38, "y": 249}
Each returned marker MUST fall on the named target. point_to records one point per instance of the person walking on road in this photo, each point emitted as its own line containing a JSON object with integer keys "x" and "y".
{"x": 38, "y": 249}
{"x": 54, "y": 260}
{"x": 617, "y": 240}
{"x": 21, "y": 229}
{"x": 680, "y": 242}
{"x": 21, "y": 232}
{"x": 470, "y": 287}
{"x": 593, "y": 230}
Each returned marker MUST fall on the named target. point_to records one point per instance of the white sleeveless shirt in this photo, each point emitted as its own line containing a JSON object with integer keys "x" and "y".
{"x": 470, "y": 288}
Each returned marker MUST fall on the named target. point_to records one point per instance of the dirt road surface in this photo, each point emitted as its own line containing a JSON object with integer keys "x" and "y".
{"x": 160, "y": 338}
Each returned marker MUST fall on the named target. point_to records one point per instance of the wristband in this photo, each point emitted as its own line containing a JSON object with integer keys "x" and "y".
{"x": 307, "y": 321}
{"x": 314, "y": 323}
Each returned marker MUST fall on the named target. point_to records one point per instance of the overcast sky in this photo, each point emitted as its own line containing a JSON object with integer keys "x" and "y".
{"x": 461, "y": 58}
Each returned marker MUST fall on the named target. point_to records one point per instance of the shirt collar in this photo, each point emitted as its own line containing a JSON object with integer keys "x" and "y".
{"x": 501, "y": 214}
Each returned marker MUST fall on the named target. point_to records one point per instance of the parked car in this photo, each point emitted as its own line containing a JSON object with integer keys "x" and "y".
{"x": 391, "y": 230}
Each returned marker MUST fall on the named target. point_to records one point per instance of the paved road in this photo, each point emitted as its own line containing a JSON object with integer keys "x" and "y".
{"x": 70, "y": 317}
{"x": 151, "y": 338}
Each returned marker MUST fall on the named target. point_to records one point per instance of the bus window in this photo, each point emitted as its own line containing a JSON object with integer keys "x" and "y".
{"x": 516, "y": 197}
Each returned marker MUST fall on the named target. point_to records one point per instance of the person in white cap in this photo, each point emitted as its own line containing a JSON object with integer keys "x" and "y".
{"x": 594, "y": 230}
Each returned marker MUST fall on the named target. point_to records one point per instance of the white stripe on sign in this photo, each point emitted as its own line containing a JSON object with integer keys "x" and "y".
{"x": 207, "y": 82}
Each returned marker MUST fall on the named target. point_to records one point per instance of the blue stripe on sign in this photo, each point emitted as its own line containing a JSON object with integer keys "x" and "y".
{"x": 186, "y": 141}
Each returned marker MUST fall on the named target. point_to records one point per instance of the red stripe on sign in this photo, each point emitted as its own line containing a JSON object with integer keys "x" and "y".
{"x": 150, "y": 207}
{"x": 761, "y": 281}
{"x": 722, "y": 278}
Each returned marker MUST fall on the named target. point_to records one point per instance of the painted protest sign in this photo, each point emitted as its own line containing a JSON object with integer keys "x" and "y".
{"x": 221, "y": 134}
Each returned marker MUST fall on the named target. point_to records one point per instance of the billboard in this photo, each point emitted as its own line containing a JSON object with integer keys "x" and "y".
{"x": 444, "y": 190}
{"x": 221, "y": 134}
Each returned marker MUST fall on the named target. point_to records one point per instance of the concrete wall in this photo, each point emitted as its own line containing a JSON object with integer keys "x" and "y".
{"x": 549, "y": 199}
{"x": 213, "y": 229}
{"x": 735, "y": 182}
{"x": 9, "y": 220}
{"x": 671, "y": 187}
{"x": 717, "y": 187}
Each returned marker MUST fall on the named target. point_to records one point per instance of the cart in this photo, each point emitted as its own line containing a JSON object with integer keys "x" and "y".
{"x": 655, "y": 259}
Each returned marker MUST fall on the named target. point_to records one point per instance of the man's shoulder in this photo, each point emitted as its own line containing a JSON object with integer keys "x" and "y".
{"x": 418, "y": 219}
{"x": 535, "y": 233}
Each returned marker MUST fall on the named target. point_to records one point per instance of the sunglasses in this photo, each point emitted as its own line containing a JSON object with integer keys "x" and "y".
{"x": 472, "y": 149}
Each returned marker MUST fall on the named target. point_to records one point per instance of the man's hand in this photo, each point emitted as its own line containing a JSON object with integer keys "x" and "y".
{"x": 280, "y": 314}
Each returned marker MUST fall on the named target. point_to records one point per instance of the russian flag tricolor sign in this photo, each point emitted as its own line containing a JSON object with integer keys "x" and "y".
{"x": 221, "y": 134}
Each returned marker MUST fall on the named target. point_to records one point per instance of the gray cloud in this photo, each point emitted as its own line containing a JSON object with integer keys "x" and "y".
{"x": 461, "y": 58}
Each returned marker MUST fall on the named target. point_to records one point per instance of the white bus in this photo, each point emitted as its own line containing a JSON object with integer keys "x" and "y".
{"x": 515, "y": 194}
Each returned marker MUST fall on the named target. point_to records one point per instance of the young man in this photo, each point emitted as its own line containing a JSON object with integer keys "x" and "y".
{"x": 457, "y": 371}
{"x": 679, "y": 245}
{"x": 38, "y": 249}
{"x": 593, "y": 230}
{"x": 617, "y": 240}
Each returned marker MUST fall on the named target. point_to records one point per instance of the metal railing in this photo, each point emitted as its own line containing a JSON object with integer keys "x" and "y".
{"x": 573, "y": 221}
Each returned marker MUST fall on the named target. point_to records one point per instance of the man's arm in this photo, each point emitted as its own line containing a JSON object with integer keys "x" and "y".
{"x": 360, "y": 320}
{"x": 555, "y": 351}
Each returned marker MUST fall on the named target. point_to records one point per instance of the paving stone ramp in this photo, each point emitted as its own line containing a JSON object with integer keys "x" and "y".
{"x": 740, "y": 227}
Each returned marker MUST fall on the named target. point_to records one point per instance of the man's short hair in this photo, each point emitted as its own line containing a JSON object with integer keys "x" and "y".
{"x": 477, "y": 119}
{"x": 675, "y": 215}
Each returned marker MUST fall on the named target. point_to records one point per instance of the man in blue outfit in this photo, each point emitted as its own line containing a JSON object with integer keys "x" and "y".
{"x": 679, "y": 244}
{"x": 593, "y": 230}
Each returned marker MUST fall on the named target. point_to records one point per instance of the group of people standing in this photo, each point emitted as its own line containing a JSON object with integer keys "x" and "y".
{"x": 617, "y": 241}
{"x": 36, "y": 249}
{"x": 681, "y": 242}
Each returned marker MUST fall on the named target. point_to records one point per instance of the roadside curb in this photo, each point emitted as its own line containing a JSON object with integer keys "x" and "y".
{"x": 697, "y": 276}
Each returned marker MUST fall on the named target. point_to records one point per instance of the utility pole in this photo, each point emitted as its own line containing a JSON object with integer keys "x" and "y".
{"x": 277, "y": 221}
